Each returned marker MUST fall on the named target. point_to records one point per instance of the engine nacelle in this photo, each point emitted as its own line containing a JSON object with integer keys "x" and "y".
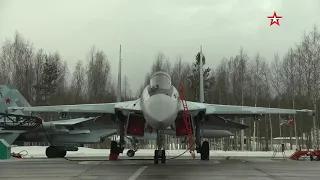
{"x": 181, "y": 129}
{"x": 48, "y": 126}
{"x": 135, "y": 125}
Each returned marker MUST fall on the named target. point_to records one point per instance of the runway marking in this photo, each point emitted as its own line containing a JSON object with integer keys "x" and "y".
{"x": 90, "y": 162}
{"x": 136, "y": 174}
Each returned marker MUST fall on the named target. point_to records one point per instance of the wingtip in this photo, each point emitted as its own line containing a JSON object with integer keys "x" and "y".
{"x": 308, "y": 111}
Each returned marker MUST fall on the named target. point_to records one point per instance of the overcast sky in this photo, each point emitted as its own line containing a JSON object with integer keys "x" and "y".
{"x": 145, "y": 27}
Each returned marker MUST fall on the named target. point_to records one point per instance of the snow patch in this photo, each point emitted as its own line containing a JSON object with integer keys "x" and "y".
{"x": 39, "y": 152}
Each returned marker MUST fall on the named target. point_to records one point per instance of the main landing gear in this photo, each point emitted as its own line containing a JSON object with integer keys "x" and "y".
{"x": 55, "y": 152}
{"x": 116, "y": 148}
{"x": 204, "y": 148}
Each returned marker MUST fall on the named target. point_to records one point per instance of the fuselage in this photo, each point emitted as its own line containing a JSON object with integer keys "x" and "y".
{"x": 160, "y": 101}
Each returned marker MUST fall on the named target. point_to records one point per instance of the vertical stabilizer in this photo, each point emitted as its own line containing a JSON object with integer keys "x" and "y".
{"x": 201, "y": 94}
{"x": 11, "y": 97}
{"x": 119, "y": 78}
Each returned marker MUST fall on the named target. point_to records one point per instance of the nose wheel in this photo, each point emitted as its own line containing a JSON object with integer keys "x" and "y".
{"x": 161, "y": 156}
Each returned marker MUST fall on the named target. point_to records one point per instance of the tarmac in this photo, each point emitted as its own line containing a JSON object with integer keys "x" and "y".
{"x": 183, "y": 168}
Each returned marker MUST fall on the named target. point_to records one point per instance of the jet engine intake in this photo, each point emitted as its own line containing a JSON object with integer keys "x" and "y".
{"x": 135, "y": 125}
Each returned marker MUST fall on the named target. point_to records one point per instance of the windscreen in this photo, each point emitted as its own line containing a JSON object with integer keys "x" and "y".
{"x": 161, "y": 81}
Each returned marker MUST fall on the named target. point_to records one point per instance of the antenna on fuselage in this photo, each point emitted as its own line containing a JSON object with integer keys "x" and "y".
{"x": 201, "y": 94}
{"x": 119, "y": 78}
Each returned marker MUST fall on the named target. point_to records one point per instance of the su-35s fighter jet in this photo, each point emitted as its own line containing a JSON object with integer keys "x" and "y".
{"x": 160, "y": 109}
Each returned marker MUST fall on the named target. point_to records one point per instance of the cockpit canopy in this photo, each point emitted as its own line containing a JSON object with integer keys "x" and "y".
{"x": 160, "y": 80}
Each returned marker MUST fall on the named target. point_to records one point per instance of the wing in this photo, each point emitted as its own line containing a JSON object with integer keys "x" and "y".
{"x": 88, "y": 130}
{"x": 242, "y": 111}
{"x": 107, "y": 108}
{"x": 71, "y": 122}
{"x": 219, "y": 115}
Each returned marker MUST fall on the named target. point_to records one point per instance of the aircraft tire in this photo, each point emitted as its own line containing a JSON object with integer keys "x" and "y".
{"x": 163, "y": 157}
{"x": 205, "y": 150}
{"x": 130, "y": 153}
{"x": 156, "y": 157}
{"x": 62, "y": 153}
{"x": 52, "y": 152}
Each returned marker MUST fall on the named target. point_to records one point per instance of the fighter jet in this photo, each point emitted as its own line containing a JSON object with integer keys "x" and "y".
{"x": 158, "y": 109}
{"x": 66, "y": 134}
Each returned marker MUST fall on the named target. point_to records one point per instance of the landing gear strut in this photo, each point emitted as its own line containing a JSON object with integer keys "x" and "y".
{"x": 160, "y": 153}
{"x": 134, "y": 143}
{"x": 55, "y": 152}
{"x": 203, "y": 148}
{"x": 115, "y": 148}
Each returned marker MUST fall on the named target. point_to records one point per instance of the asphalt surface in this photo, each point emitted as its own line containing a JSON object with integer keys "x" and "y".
{"x": 178, "y": 169}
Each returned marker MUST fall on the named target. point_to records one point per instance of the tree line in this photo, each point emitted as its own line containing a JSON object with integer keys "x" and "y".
{"x": 291, "y": 81}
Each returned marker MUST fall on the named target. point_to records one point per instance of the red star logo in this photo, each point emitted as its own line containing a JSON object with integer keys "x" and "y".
{"x": 291, "y": 122}
{"x": 8, "y": 101}
{"x": 274, "y": 19}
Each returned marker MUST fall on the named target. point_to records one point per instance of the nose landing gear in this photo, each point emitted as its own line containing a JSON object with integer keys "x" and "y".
{"x": 161, "y": 156}
{"x": 160, "y": 153}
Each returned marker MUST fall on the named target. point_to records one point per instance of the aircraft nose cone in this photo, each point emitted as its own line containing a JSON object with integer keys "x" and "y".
{"x": 160, "y": 111}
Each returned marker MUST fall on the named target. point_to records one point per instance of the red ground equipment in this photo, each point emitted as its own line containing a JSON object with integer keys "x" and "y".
{"x": 20, "y": 154}
{"x": 187, "y": 120}
{"x": 313, "y": 154}
{"x": 16, "y": 155}
{"x": 113, "y": 157}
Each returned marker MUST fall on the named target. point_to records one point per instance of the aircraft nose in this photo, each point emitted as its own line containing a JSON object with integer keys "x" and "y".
{"x": 160, "y": 111}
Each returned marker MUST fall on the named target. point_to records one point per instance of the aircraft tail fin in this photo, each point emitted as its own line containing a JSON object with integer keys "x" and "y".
{"x": 11, "y": 97}
{"x": 119, "y": 78}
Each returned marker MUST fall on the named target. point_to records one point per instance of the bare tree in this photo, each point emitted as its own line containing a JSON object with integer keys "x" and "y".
{"x": 161, "y": 64}
{"x": 257, "y": 83}
{"x": 98, "y": 77}
{"x": 126, "y": 93}
{"x": 38, "y": 70}
{"x": 16, "y": 60}
{"x": 78, "y": 83}
{"x": 177, "y": 71}
{"x": 310, "y": 47}
{"x": 242, "y": 76}
{"x": 289, "y": 79}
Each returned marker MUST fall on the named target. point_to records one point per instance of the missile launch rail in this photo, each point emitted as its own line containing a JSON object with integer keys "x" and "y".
{"x": 19, "y": 122}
